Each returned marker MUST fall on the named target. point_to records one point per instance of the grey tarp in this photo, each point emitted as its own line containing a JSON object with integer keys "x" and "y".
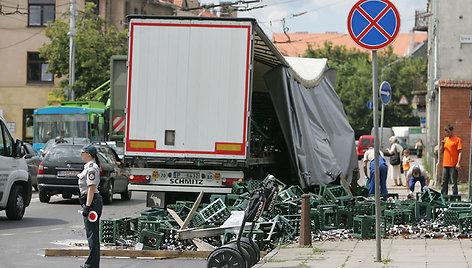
{"x": 315, "y": 127}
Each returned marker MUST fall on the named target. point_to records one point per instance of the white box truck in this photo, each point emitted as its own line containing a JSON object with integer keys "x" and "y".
{"x": 199, "y": 115}
{"x": 188, "y": 104}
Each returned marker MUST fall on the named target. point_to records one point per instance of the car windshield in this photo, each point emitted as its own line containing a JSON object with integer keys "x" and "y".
{"x": 67, "y": 154}
{"x": 366, "y": 142}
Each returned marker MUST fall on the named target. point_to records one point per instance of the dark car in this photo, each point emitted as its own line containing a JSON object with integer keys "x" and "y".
{"x": 50, "y": 143}
{"x": 60, "y": 166}
{"x": 33, "y": 161}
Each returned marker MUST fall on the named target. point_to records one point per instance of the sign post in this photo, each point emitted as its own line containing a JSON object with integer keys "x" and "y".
{"x": 373, "y": 25}
{"x": 385, "y": 92}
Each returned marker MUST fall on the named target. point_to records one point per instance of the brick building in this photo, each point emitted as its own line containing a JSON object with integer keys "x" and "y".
{"x": 454, "y": 101}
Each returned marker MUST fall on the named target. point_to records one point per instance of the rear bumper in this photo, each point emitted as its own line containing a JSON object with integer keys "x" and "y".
{"x": 59, "y": 189}
{"x": 186, "y": 189}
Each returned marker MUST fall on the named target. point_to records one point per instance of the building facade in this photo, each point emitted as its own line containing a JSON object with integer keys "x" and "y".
{"x": 449, "y": 85}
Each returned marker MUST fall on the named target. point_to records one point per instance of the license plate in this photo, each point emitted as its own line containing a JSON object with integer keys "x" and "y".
{"x": 187, "y": 175}
{"x": 67, "y": 173}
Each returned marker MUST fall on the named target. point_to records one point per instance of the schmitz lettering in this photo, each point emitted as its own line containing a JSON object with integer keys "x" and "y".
{"x": 186, "y": 181}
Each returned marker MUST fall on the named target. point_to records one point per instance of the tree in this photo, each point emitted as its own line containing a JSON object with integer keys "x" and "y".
{"x": 95, "y": 43}
{"x": 354, "y": 83}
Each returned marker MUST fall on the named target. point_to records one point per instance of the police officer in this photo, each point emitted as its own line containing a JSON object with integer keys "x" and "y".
{"x": 91, "y": 200}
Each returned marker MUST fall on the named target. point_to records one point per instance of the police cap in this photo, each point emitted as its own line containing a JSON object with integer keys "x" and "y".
{"x": 90, "y": 149}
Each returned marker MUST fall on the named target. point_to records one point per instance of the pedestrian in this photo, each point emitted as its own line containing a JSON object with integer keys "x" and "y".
{"x": 451, "y": 148}
{"x": 414, "y": 174}
{"x": 406, "y": 160}
{"x": 395, "y": 152}
{"x": 368, "y": 160}
{"x": 89, "y": 179}
{"x": 419, "y": 146}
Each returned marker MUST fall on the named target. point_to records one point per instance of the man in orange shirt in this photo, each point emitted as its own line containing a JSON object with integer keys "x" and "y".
{"x": 451, "y": 147}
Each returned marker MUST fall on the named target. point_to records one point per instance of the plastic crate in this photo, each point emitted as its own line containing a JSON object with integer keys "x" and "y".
{"x": 328, "y": 215}
{"x": 151, "y": 240}
{"x": 110, "y": 230}
{"x": 460, "y": 206}
{"x": 363, "y": 208}
{"x": 465, "y": 223}
{"x": 153, "y": 213}
{"x": 130, "y": 226}
{"x": 398, "y": 217}
{"x": 253, "y": 185}
{"x": 344, "y": 218}
{"x": 423, "y": 211}
{"x": 433, "y": 197}
{"x": 315, "y": 219}
{"x": 239, "y": 187}
{"x": 451, "y": 217}
{"x": 215, "y": 212}
{"x": 335, "y": 192}
{"x": 281, "y": 184}
{"x": 364, "y": 226}
{"x": 294, "y": 192}
{"x": 148, "y": 225}
{"x": 383, "y": 206}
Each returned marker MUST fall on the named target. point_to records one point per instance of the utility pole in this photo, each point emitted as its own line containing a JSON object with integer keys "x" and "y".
{"x": 72, "y": 33}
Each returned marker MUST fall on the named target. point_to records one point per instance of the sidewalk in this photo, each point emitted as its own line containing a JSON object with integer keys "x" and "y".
{"x": 395, "y": 252}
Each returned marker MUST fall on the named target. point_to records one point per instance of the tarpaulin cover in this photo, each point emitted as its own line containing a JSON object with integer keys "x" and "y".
{"x": 314, "y": 125}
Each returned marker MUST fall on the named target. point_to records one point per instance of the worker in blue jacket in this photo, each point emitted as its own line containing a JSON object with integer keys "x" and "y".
{"x": 369, "y": 157}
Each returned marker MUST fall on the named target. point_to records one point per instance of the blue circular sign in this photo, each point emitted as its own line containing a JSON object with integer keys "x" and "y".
{"x": 373, "y": 24}
{"x": 385, "y": 92}
{"x": 370, "y": 104}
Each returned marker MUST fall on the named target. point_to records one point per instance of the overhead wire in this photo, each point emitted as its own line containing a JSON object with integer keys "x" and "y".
{"x": 24, "y": 40}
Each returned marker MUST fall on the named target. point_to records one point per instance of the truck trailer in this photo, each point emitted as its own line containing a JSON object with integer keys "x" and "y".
{"x": 209, "y": 102}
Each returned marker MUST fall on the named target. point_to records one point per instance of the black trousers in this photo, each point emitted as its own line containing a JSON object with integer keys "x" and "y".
{"x": 449, "y": 173}
{"x": 93, "y": 233}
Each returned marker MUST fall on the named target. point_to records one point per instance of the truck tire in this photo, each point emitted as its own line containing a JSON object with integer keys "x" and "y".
{"x": 67, "y": 196}
{"x": 108, "y": 195}
{"x": 44, "y": 197}
{"x": 126, "y": 195}
{"x": 16, "y": 203}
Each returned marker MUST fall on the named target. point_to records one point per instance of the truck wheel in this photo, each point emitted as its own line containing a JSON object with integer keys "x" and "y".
{"x": 67, "y": 196}
{"x": 44, "y": 197}
{"x": 126, "y": 195}
{"x": 108, "y": 195}
{"x": 16, "y": 203}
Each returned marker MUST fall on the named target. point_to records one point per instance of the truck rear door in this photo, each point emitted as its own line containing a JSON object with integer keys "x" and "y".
{"x": 188, "y": 88}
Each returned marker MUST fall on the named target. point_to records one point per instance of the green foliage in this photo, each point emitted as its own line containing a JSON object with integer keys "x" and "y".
{"x": 354, "y": 83}
{"x": 95, "y": 43}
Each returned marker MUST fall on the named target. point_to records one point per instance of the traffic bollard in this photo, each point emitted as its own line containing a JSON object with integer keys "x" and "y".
{"x": 305, "y": 222}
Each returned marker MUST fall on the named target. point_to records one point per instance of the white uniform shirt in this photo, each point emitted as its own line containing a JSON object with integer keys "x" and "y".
{"x": 423, "y": 172}
{"x": 89, "y": 176}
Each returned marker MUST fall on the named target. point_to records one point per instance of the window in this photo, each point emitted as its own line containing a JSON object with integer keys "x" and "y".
{"x": 37, "y": 69}
{"x": 97, "y": 5}
{"x": 6, "y": 141}
{"x": 40, "y": 12}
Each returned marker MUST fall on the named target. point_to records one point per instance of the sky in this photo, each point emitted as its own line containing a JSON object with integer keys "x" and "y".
{"x": 322, "y": 15}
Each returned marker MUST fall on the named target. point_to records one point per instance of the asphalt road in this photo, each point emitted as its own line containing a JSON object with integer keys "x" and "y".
{"x": 59, "y": 225}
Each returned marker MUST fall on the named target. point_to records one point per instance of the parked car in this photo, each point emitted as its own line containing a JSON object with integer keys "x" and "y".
{"x": 365, "y": 141}
{"x": 33, "y": 161}
{"x": 15, "y": 185}
{"x": 58, "y": 173}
